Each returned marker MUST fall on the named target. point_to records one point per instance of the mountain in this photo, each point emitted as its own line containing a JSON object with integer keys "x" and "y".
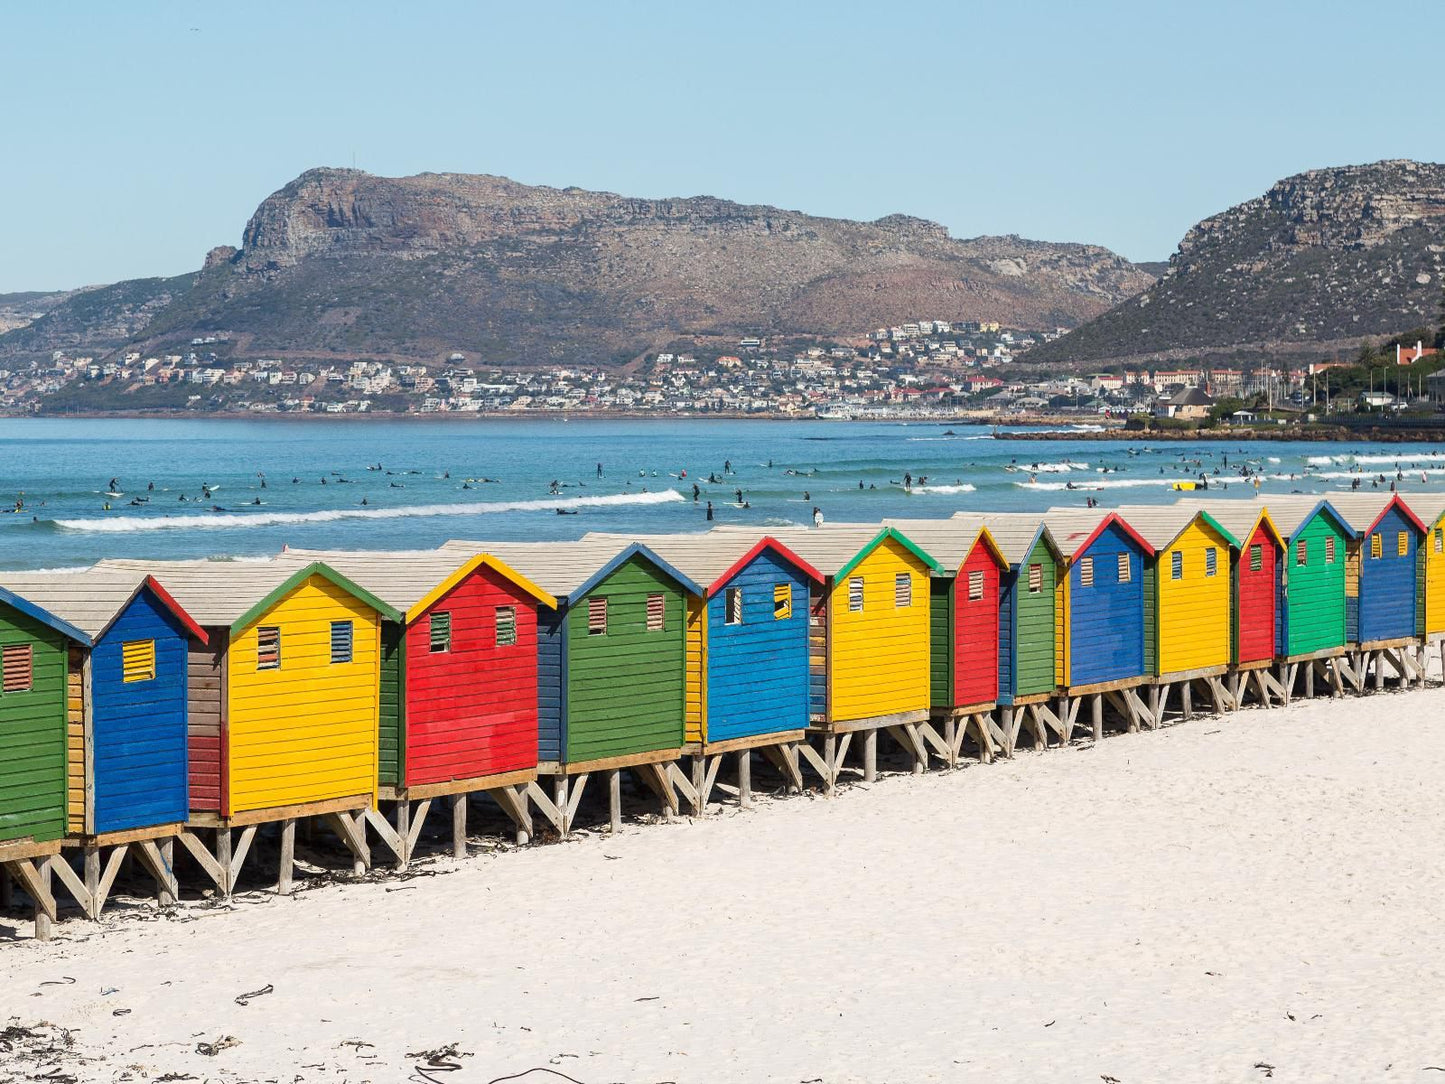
{"x": 343, "y": 263}
{"x": 1320, "y": 261}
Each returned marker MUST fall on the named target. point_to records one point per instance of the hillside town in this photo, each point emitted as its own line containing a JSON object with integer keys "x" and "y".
{"x": 919, "y": 369}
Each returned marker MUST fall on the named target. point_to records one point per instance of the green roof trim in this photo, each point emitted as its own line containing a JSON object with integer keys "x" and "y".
{"x": 883, "y": 536}
{"x": 326, "y": 572}
{"x": 1207, "y": 518}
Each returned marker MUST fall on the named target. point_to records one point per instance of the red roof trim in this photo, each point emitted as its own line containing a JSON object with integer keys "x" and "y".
{"x": 1114, "y": 517}
{"x": 767, "y": 543}
{"x": 175, "y": 608}
{"x": 1405, "y": 508}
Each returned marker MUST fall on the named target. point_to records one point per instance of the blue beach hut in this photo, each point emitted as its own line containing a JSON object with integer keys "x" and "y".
{"x": 1101, "y": 622}
{"x": 126, "y": 760}
{"x": 1384, "y": 608}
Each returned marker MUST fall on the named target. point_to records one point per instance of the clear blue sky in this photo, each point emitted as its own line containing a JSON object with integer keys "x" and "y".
{"x": 132, "y": 143}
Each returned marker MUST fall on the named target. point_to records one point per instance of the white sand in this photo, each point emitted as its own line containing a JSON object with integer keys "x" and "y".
{"x": 1199, "y": 904}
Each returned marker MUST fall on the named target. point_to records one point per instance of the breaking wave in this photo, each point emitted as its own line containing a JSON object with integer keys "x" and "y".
{"x": 962, "y": 487}
{"x": 230, "y": 521}
{"x": 1113, "y": 483}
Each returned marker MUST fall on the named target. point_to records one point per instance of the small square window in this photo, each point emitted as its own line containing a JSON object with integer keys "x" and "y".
{"x": 1086, "y": 571}
{"x": 975, "y": 586}
{"x": 1256, "y": 557}
{"x": 597, "y": 616}
{"x": 18, "y": 662}
{"x": 733, "y": 612}
{"x": 1329, "y": 550}
{"x": 782, "y": 601}
{"x": 902, "y": 591}
{"x": 855, "y": 594}
{"x": 1176, "y": 566}
{"x": 656, "y": 613}
{"x": 268, "y": 647}
{"x": 506, "y": 626}
{"x": 340, "y": 641}
{"x": 1036, "y": 579}
{"x": 137, "y": 661}
{"x": 1125, "y": 574}
{"x": 1211, "y": 561}
{"x": 440, "y": 632}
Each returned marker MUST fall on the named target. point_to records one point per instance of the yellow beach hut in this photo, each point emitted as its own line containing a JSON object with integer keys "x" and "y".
{"x": 283, "y": 712}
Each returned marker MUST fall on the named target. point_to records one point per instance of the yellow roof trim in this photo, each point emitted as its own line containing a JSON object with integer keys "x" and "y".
{"x": 481, "y": 560}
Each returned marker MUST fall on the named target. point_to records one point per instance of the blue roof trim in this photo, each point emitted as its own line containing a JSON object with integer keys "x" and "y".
{"x": 635, "y": 549}
{"x": 1334, "y": 513}
{"x": 45, "y": 617}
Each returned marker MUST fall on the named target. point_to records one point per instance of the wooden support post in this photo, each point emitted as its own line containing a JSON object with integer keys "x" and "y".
{"x": 1186, "y": 700}
{"x": 614, "y": 799}
{"x": 459, "y": 825}
{"x": 223, "y": 859}
{"x": 6, "y": 892}
{"x": 870, "y": 756}
{"x": 700, "y": 785}
{"x": 559, "y": 799}
{"x": 1010, "y": 731}
{"x": 830, "y": 758}
{"x": 167, "y": 888}
{"x": 1379, "y": 670}
{"x": 745, "y": 778}
{"x": 403, "y": 833}
{"x": 1309, "y": 680}
{"x": 1096, "y": 708}
{"x": 285, "y": 874}
{"x": 91, "y": 867}
{"x": 950, "y": 732}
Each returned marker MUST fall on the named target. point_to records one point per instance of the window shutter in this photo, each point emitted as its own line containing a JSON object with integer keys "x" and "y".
{"x": 1086, "y": 571}
{"x": 1439, "y": 540}
{"x": 1329, "y": 550}
{"x": 340, "y": 641}
{"x": 506, "y": 626}
{"x": 1176, "y": 562}
{"x": 1256, "y": 557}
{"x": 734, "y": 608}
{"x": 19, "y": 668}
{"x": 1302, "y": 551}
{"x": 1124, "y": 574}
{"x": 1036, "y": 579}
{"x": 975, "y": 586}
{"x": 268, "y": 647}
{"x": 597, "y": 616}
{"x": 440, "y": 630}
{"x": 902, "y": 590}
{"x": 1377, "y": 547}
{"x": 137, "y": 660}
{"x": 855, "y": 594}
{"x": 656, "y": 612}
{"x": 782, "y": 601}
{"x": 1211, "y": 561}
{"x": 1402, "y": 544}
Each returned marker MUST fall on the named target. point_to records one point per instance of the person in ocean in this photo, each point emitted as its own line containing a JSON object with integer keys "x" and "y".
{"x": 709, "y": 511}
{"x": 807, "y": 496}
{"x": 727, "y": 466}
{"x": 908, "y": 480}
{"x": 817, "y": 516}
{"x": 599, "y": 470}
{"x": 739, "y": 493}
{"x": 696, "y": 492}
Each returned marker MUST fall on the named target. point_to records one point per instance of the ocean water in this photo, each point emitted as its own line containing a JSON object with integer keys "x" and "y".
{"x": 492, "y": 479}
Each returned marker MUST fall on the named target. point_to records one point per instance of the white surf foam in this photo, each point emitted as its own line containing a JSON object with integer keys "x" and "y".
{"x": 1119, "y": 483}
{"x": 229, "y": 521}
{"x": 962, "y": 487}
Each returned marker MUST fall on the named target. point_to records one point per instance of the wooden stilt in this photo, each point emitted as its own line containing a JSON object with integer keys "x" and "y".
{"x": 403, "y": 833}
{"x": 90, "y": 863}
{"x": 745, "y": 778}
{"x": 614, "y": 799}
{"x": 1096, "y": 708}
{"x": 223, "y": 860}
{"x": 285, "y": 874}
{"x": 459, "y": 825}
{"x": 559, "y": 799}
{"x": 870, "y": 756}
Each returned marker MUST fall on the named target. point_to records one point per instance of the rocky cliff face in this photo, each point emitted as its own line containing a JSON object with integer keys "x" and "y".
{"x": 1327, "y": 256}
{"x": 343, "y": 262}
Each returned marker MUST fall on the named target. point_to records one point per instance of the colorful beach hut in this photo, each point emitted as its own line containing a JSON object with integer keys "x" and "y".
{"x": 1431, "y": 510}
{"x": 458, "y": 691}
{"x": 1188, "y": 593}
{"x": 869, "y": 642}
{"x": 611, "y": 666}
{"x": 1100, "y": 620}
{"x": 283, "y": 712}
{"x": 33, "y": 757}
{"x": 1027, "y": 600}
{"x": 747, "y": 652}
{"x": 1384, "y": 568}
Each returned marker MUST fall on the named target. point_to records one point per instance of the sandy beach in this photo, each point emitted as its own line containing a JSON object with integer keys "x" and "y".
{"x": 1233, "y": 899}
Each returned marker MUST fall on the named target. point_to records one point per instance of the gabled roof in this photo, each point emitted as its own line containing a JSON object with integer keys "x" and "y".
{"x": 1017, "y": 533}
{"x": 412, "y": 581}
{"x": 91, "y": 600}
{"x": 1365, "y": 510}
{"x": 1290, "y": 513}
{"x": 836, "y": 549}
{"x": 1162, "y": 524}
{"x": 950, "y": 541}
{"x": 232, "y": 594}
{"x": 713, "y": 558}
{"x": 1075, "y": 529}
{"x": 568, "y": 570}
{"x": 1240, "y": 517}
{"x": 44, "y": 616}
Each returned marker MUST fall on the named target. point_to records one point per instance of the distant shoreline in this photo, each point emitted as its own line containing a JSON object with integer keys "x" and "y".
{"x": 1332, "y": 435}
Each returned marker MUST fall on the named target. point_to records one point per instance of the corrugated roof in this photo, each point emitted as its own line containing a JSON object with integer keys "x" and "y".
{"x": 1160, "y": 524}
{"x": 829, "y": 549}
{"x": 948, "y": 541}
{"x": 400, "y": 578}
{"x": 704, "y": 555}
{"x": 559, "y": 568}
{"x": 212, "y": 592}
{"x": 1015, "y": 533}
{"x": 1236, "y": 515}
{"x": 1071, "y": 527}
{"x": 89, "y": 598}
{"x": 1360, "y": 507}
